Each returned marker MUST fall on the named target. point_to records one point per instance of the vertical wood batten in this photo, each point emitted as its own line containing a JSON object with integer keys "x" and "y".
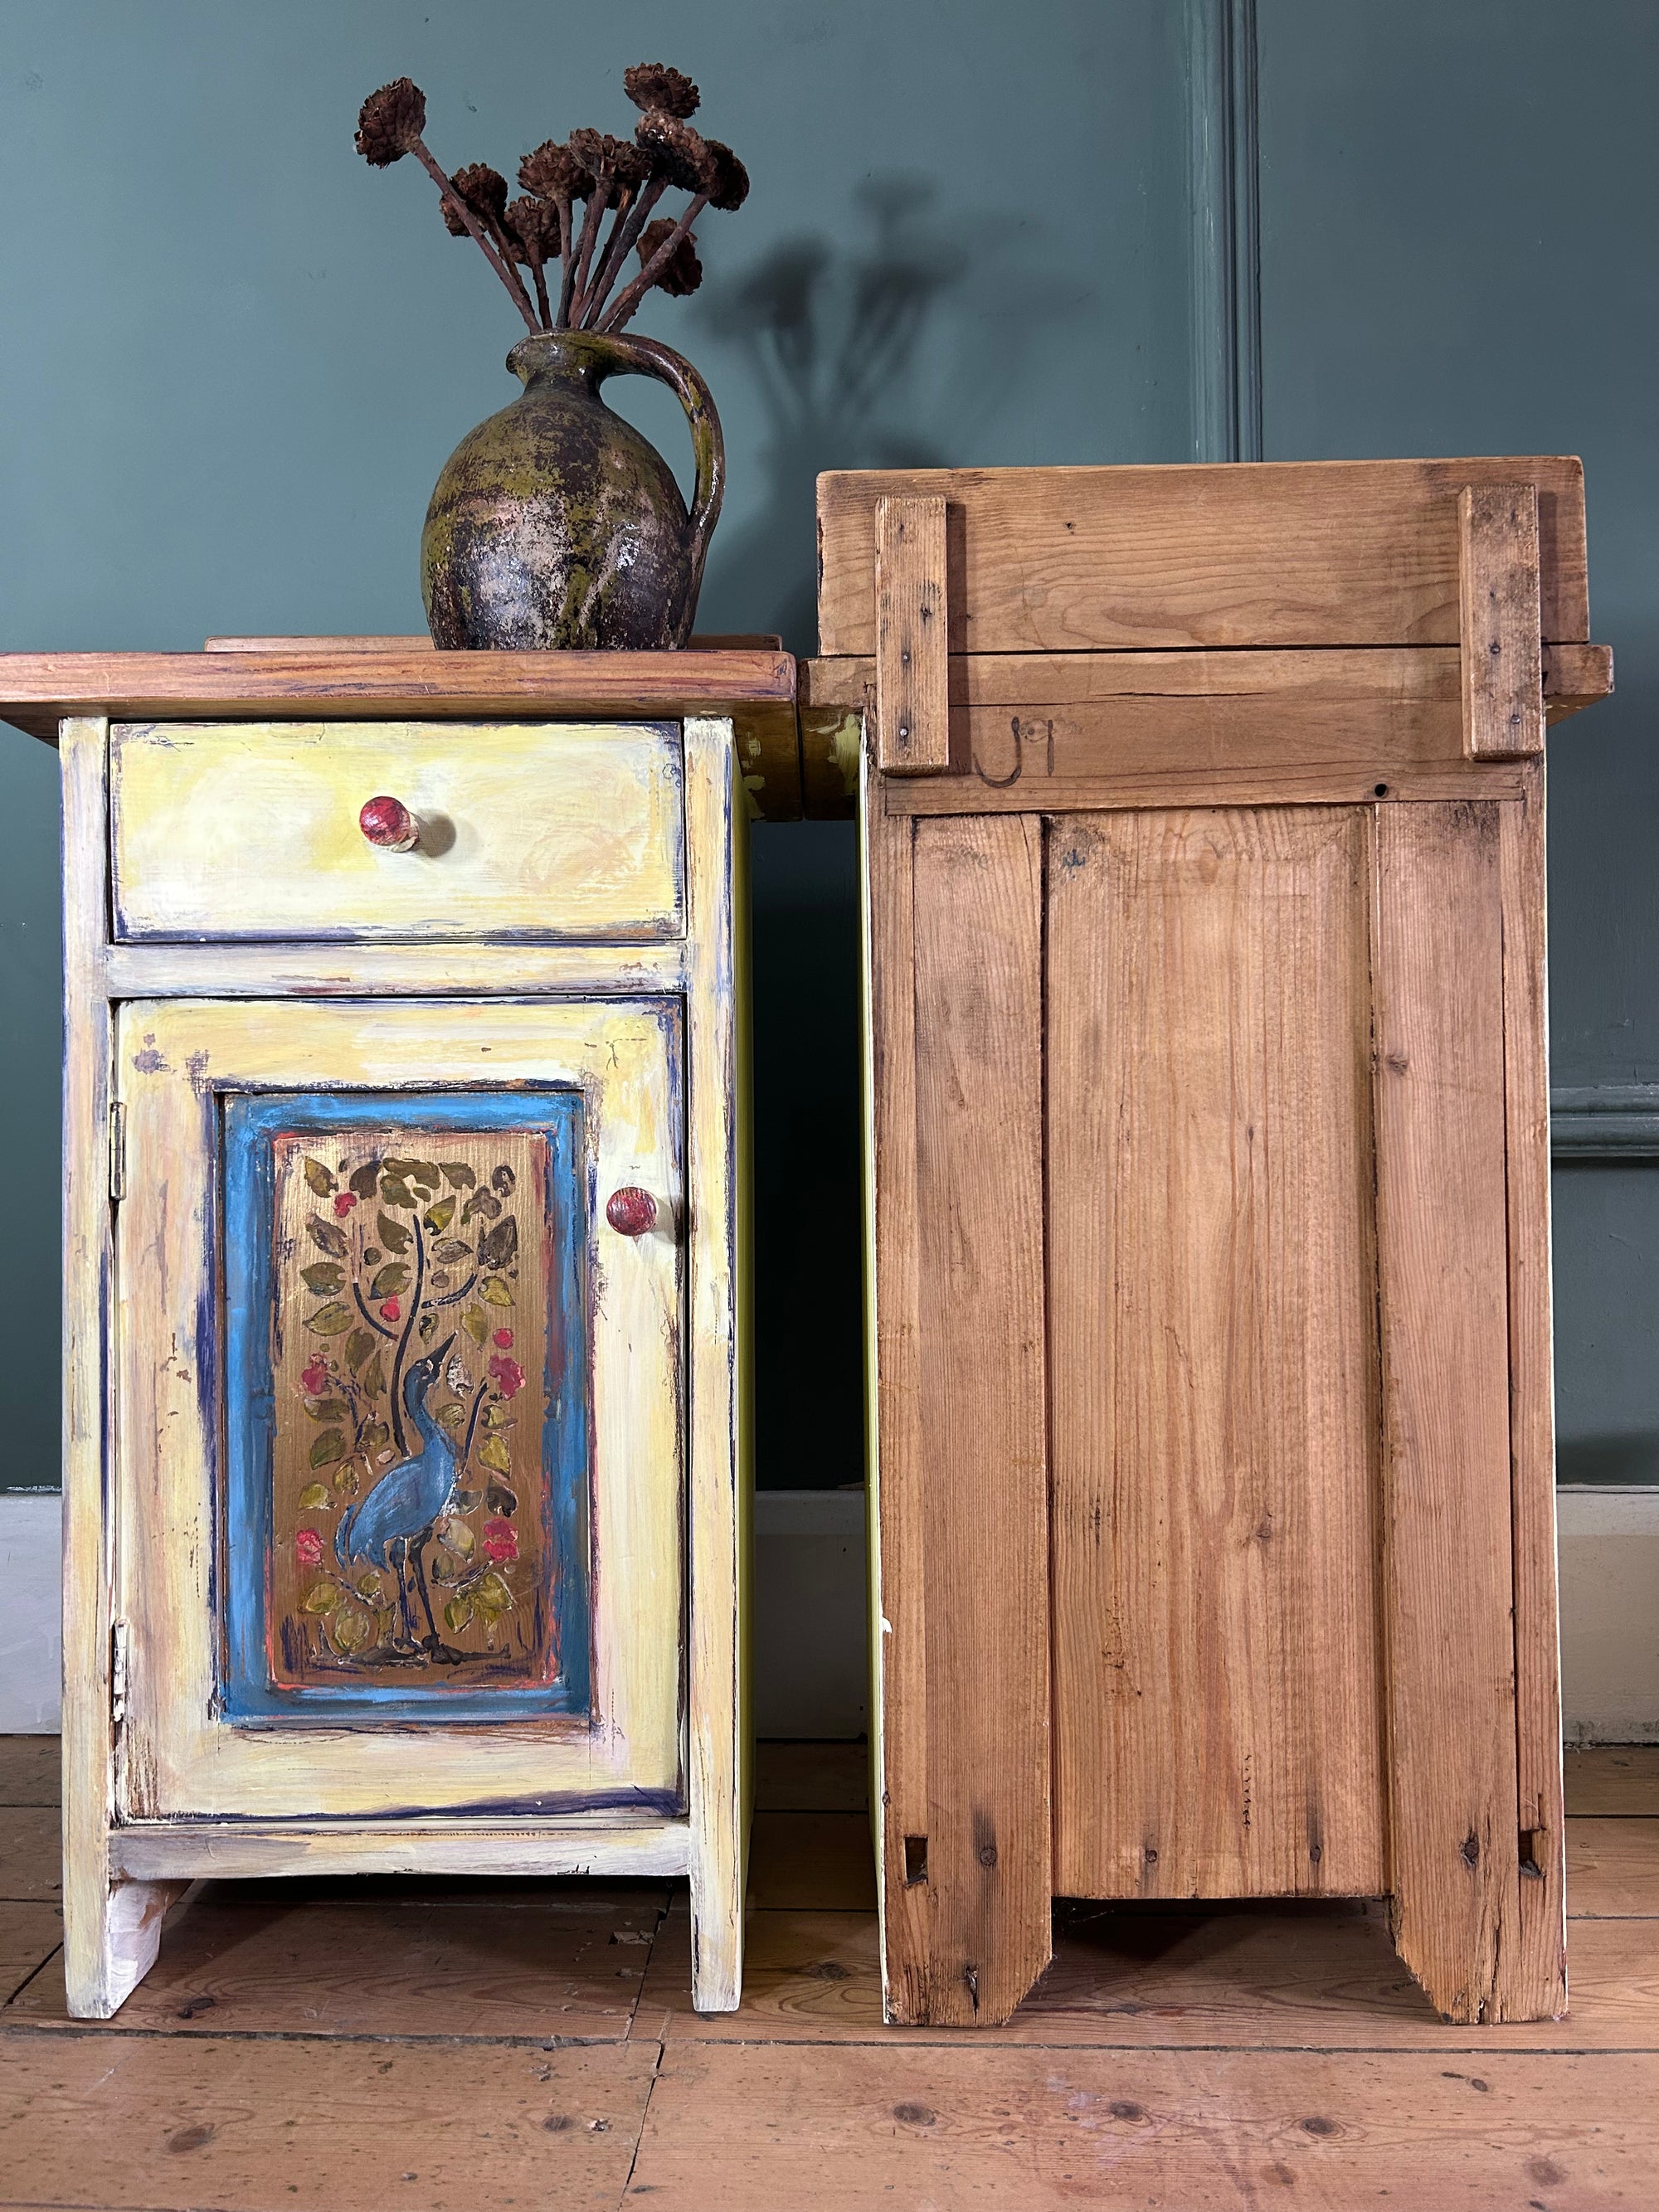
{"x": 899, "y": 1594}
{"x": 913, "y": 731}
{"x": 1500, "y": 620}
{"x": 717, "y": 1750}
{"x": 1442, "y": 1237}
{"x": 1533, "y": 1971}
{"x": 979, "y": 1875}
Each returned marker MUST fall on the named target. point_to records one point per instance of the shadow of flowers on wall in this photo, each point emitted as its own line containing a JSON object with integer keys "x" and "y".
{"x": 896, "y": 344}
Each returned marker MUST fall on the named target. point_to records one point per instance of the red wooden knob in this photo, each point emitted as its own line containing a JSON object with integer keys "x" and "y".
{"x": 631, "y": 1211}
{"x": 388, "y": 823}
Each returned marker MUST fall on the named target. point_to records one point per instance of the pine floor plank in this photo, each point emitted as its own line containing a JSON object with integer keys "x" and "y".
{"x": 1294, "y": 1977}
{"x": 166, "y": 2122}
{"x": 916, "y": 2124}
{"x": 1612, "y": 1870}
{"x": 29, "y": 1770}
{"x": 375, "y": 1965}
{"x": 1613, "y": 1778}
{"x": 29, "y": 1934}
{"x": 814, "y": 1860}
{"x": 31, "y": 1854}
{"x": 812, "y": 1777}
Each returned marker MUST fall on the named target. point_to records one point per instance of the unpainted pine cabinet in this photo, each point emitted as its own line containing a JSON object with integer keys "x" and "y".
{"x": 1203, "y": 820}
{"x": 404, "y": 1462}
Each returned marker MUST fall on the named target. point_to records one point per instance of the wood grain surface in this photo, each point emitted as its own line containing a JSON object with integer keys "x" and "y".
{"x": 912, "y": 725}
{"x": 1211, "y": 1323}
{"x": 755, "y": 687}
{"x": 428, "y": 2044}
{"x": 1303, "y": 553}
{"x": 961, "y": 1477}
{"x": 1442, "y": 1241}
{"x": 1502, "y": 649}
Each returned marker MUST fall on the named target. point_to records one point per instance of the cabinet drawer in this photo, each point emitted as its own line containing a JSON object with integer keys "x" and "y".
{"x": 533, "y": 831}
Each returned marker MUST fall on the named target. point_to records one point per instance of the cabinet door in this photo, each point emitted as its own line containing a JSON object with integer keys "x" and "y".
{"x": 398, "y": 1440}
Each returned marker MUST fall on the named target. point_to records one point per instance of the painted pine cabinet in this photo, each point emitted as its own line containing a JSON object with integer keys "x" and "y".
{"x": 406, "y": 1376}
{"x": 1209, "y": 1198}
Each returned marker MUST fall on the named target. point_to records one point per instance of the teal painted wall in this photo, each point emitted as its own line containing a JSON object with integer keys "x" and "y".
{"x": 1460, "y": 202}
{"x": 235, "y": 358}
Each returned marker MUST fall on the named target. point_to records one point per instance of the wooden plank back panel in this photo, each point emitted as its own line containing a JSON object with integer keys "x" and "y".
{"x": 1533, "y": 1984}
{"x": 1280, "y": 553}
{"x": 1212, "y": 1334}
{"x": 963, "y": 1470}
{"x": 1442, "y": 1231}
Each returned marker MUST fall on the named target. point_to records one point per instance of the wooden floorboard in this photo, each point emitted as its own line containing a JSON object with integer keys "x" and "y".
{"x": 28, "y": 1769}
{"x": 31, "y": 1854}
{"x": 344, "y": 2044}
{"x": 29, "y": 1934}
{"x": 165, "y": 2123}
{"x": 342, "y": 1966}
{"x": 1617, "y": 1779}
{"x": 1299, "y": 1977}
{"x": 922, "y": 2124}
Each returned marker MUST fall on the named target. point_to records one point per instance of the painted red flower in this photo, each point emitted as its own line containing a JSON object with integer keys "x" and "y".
{"x": 313, "y": 1380}
{"x": 503, "y": 1339}
{"x": 500, "y": 1542}
{"x": 309, "y": 1547}
{"x": 343, "y": 1202}
{"x": 390, "y": 1310}
{"x": 509, "y": 1374}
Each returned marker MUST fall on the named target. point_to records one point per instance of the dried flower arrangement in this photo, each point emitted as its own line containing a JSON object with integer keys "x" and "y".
{"x": 557, "y": 229}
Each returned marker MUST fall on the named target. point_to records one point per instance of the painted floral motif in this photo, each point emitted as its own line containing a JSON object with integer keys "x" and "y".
{"x": 405, "y": 1308}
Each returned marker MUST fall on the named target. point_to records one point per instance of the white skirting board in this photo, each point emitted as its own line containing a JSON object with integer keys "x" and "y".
{"x": 811, "y": 1650}
{"x": 1608, "y": 1542}
{"x": 808, "y": 1595}
{"x": 31, "y": 1630}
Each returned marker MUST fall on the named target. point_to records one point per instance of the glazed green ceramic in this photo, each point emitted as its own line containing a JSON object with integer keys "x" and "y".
{"x": 555, "y": 524}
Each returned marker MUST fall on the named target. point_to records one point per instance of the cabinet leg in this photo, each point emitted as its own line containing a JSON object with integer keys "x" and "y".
{"x": 717, "y": 1940}
{"x": 107, "y": 1953}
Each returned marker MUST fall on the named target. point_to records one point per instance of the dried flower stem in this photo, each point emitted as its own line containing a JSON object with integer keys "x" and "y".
{"x": 562, "y": 319}
{"x": 615, "y": 317}
{"x": 596, "y": 206}
{"x": 504, "y": 270}
{"x": 623, "y": 237}
{"x": 581, "y": 305}
{"x": 540, "y": 282}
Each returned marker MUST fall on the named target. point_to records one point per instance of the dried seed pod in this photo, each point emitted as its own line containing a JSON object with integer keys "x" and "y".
{"x": 553, "y": 172}
{"x": 483, "y": 189}
{"x": 682, "y": 272}
{"x": 390, "y": 123}
{"x": 632, "y": 166}
{"x": 597, "y": 151}
{"x": 730, "y": 188}
{"x": 654, "y": 84}
{"x": 678, "y": 154}
{"x": 534, "y": 225}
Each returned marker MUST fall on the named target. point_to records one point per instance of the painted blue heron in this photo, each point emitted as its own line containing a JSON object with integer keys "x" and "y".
{"x": 403, "y": 1505}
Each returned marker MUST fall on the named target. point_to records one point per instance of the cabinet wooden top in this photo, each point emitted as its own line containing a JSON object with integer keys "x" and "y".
{"x": 753, "y": 681}
{"x": 1263, "y": 553}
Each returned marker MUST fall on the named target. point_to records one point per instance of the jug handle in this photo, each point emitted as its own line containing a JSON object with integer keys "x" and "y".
{"x": 649, "y": 358}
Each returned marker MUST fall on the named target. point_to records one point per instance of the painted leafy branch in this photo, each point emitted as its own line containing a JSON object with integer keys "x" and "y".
{"x": 402, "y": 1247}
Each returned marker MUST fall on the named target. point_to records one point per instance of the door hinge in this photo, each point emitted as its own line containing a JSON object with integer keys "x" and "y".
{"x": 118, "y": 1671}
{"x": 118, "y": 1152}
